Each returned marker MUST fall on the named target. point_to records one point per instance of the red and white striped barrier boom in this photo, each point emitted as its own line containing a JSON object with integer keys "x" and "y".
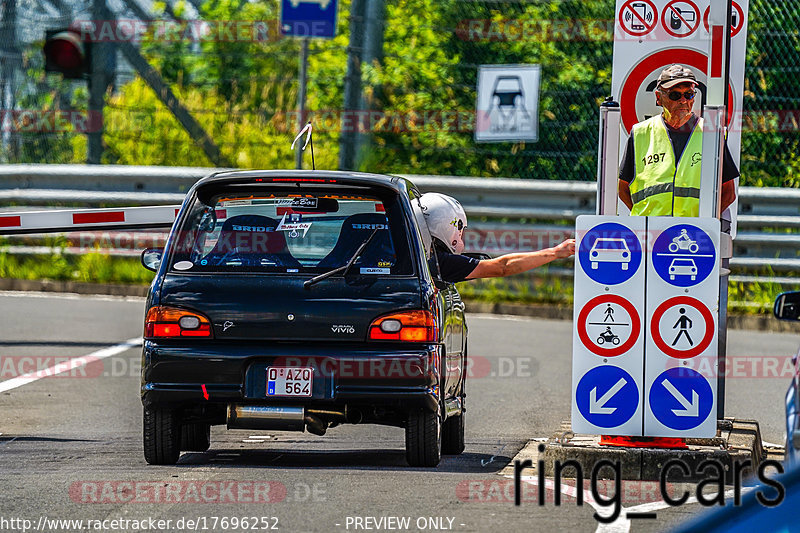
{"x": 15, "y": 223}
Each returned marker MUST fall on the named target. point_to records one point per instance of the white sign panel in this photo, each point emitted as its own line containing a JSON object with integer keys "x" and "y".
{"x": 508, "y": 103}
{"x": 651, "y": 35}
{"x": 682, "y": 309}
{"x": 608, "y": 341}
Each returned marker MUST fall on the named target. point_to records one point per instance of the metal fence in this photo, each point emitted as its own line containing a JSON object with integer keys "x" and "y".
{"x": 505, "y": 215}
{"x": 228, "y": 66}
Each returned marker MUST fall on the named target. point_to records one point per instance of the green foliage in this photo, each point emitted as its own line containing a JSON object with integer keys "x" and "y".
{"x": 244, "y": 91}
{"x": 95, "y": 267}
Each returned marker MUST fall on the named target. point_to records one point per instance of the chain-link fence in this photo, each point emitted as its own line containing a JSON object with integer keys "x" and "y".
{"x": 414, "y": 106}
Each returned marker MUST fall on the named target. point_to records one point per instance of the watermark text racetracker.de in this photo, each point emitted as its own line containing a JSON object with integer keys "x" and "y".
{"x": 196, "y": 523}
{"x": 195, "y": 492}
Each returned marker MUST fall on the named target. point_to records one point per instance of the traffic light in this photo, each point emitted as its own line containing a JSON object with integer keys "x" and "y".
{"x": 65, "y": 52}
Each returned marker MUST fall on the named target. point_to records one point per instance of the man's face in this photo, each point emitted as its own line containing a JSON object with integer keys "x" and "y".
{"x": 672, "y": 108}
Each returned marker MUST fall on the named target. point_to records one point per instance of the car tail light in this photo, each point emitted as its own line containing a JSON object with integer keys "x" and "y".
{"x": 164, "y": 322}
{"x": 408, "y": 326}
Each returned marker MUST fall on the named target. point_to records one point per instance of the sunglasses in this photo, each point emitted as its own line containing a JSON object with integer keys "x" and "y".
{"x": 676, "y": 95}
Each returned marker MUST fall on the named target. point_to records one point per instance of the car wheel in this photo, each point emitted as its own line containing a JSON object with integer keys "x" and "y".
{"x": 423, "y": 438}
{"x": 453, "y": 435}
{"x": 195, "y": 437}
{"x": 161, "y": 436}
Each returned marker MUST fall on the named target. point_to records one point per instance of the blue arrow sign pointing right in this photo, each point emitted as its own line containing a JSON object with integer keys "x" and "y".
{"x": 681, "y": 398}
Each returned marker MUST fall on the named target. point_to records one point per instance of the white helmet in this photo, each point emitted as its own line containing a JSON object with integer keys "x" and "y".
{"x": 446, "y": 219}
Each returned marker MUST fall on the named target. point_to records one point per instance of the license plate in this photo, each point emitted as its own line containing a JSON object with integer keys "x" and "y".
{"x": 289, "y": 381}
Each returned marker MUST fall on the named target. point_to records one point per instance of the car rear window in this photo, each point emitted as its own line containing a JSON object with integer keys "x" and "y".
{"x": 292, "y": 233}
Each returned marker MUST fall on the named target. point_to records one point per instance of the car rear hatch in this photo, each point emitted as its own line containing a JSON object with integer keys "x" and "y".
{"x": 245, "y": 251}
{"x": 280, "y": 308}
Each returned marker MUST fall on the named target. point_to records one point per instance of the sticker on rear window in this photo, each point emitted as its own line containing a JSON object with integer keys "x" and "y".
{"x": 373, "y": 270}
{"x": 183, "y": 265}
{"x": 293, "y": 227}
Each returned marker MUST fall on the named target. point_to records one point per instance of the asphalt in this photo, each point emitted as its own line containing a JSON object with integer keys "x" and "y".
{"x": 66, "y": 440}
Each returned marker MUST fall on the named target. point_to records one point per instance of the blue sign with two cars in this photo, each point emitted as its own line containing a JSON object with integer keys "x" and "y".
{"x": 681, "y": 398}
{"x": 684, "y": 255}
{"x": 607, "y": 396}
{"x": 309, "y": 18}
{"x": 610, "y": 253}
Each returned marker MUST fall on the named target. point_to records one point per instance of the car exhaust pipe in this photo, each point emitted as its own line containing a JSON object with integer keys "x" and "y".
{"x": 315, "y": 424}
{"x": 280, "y": 417}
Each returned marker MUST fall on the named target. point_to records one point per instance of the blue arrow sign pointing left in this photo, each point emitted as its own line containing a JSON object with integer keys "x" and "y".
{"x": 607, "y": 396}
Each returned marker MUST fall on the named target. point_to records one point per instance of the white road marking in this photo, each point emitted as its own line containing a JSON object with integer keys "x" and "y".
{"x": 76, "y": 362}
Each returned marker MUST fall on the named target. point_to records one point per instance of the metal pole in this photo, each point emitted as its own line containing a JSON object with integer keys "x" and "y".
{"x": 608, "y": 158}
{"x": 348, "y": 136}
{"x": 715, "y": 120}
{"x": 374, "y": 22}
{"x": 301, "y": 100}
{"x": 97, "y": 89}
{"x": 10, "y": 59}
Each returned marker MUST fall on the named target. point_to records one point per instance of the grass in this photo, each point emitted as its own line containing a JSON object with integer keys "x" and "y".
{"x": 534, "y": 287}
{"x": 94, "y": 267}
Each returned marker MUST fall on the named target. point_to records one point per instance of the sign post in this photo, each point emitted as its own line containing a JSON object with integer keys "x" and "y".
{"x": 682, "y": 309}
{"x": 307, "y": 19}
{"x": 608, "y": 345}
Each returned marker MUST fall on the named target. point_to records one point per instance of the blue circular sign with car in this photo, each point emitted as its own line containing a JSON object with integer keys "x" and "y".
{"x": 610, "y": 253}
{"x": 684, "y": 255}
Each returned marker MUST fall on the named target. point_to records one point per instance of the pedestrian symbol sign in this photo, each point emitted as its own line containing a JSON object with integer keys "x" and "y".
{"x": 681, "y": 399}
{"x": 682, "y": 327}
{"x": 609, "y": 325}
{"x": 610, "y": 253}
{"x": 684, "y": 255}
{"x": 607, "y": 397}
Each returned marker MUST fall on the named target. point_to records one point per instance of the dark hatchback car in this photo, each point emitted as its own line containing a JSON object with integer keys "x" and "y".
{"x": 292, "y": 300}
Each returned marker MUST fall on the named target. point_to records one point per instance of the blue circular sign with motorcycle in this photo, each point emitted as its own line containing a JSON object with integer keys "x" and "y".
{"x": 684, "y": 255}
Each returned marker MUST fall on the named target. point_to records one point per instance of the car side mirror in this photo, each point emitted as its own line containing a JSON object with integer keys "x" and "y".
{"x": 151, "y": 258}
{"x": 480, "y": 256}
{"x": 787, "y": 306}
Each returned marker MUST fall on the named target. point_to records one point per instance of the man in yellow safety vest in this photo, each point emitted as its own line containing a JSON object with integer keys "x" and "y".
{"x": 660, "y": 171}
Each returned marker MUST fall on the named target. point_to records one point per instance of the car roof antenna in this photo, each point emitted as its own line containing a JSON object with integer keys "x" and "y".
{"x": 307, "y": 129}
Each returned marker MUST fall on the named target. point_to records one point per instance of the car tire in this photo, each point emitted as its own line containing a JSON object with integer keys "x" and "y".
{"x": 423, "y": 438}
{"x": 161, "y": 435}
{"x": 195, "y": 437}
{"x": 453, "y": 435}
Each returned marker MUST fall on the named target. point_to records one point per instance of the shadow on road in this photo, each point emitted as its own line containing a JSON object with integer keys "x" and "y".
{"x": 348, "y": 459}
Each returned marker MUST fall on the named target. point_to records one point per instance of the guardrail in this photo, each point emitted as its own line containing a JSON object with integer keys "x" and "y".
{"x": 768, "y": 217}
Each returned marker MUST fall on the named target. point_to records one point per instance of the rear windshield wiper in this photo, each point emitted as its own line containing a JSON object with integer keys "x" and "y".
{"x": 344, "y": 268}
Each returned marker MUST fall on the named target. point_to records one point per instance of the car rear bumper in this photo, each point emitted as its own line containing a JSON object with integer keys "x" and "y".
{"x": 181, "y": 374}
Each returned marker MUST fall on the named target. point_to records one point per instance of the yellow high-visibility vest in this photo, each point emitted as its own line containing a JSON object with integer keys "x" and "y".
{"x": 662, "y": 187}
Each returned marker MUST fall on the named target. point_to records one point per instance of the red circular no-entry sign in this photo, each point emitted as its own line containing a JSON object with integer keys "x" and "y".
{"x": 583, "y": 319}
{"x": 659, "y": 60}
{"x": 697, "y": 349}
{"x": 638, "y": 17}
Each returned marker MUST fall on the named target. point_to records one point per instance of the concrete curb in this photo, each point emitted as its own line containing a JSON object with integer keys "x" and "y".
{"x": 737, "y": 441}
{"x": 552, "y": 312}
{"x": 75, "y": 287}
